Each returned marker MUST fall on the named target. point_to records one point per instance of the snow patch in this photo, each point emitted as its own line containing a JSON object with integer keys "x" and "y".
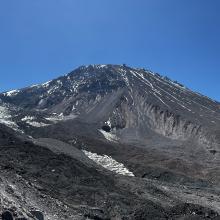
{"x": 30, "y": 120}
{"x": 108, "y": 123}
{"x": 35, "y": 85}
{"x": 124, "y": 75}
{"x": 11, "y": 93}
{"x": 46, "y": 84}
{"x": 100, "y": 66}
{"x": 53, "y": 89}
{"x": 109, "y": 136}
{"x": 73, "y": 108}
{"x": 55, "y": 117}
{"x": 37, "y": 124}
{"x": 109, "y": 163}
{"x": 6, "y": 119}
{"x": 156, "y": 93}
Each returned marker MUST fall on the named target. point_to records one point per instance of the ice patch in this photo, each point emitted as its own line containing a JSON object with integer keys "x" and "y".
{"x": 109, "y": 136}
{"x": 109, "y": 163}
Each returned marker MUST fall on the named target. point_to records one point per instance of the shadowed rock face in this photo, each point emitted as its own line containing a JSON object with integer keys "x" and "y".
{"x": 159, "y": 129}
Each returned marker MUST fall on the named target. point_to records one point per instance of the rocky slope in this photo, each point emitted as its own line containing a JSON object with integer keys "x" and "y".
{"x": 105, "y": 137}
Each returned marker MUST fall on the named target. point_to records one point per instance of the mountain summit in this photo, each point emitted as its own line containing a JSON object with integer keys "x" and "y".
{"x": 123, "y": 130}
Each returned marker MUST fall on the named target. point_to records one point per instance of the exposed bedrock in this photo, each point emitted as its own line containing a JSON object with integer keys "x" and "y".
{"x": 145, "y": 115}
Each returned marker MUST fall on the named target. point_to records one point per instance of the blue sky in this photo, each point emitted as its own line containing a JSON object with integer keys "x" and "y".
{"x": 43, "y": 39}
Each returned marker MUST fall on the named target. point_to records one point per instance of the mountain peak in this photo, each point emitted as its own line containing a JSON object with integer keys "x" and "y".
{"x": 130, "y": 121}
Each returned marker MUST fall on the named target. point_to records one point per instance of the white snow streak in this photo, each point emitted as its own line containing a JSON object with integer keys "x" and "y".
{"x": 30, "y": 120}
{"x": 46, "y": 84}
{"x": 109, "y": 136}
{"x": 11, "y": 93}
{"x": 108, "y": 123}
{"x": 109, "y": 163}
{"x": 55, "y": 117}
{"x": 148, "y": 83}
{"x": 37, "y": 124}
{"x": 124, "y": 75}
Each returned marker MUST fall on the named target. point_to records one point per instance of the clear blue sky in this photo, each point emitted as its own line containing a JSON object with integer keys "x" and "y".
{"x": 42, "y": 39}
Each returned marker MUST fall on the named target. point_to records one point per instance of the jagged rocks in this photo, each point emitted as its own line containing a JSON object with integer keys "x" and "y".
{"x": 106, "y": 128}
{"x": 189, "y": 211}
{"x": 7, "y": 215}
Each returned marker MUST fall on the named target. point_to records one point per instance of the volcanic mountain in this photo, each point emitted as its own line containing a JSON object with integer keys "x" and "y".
{"x": 110, "y": 142}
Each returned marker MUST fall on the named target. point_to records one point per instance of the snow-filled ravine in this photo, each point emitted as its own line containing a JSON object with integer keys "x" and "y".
{"x": 5, "y": 118}
{"x": 109, "y": 163}
{"x": 31, "y": 121}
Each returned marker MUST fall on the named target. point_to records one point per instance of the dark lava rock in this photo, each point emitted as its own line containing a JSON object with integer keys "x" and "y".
{"x": 96, "y": 214}
{"x": 194, "y": 211}
{"x": 94, "y": 217}
{"x": 106, "y": 128}
{"x": 7, "y": 215}
{"x": 39, "y": 215}
{"x": 148, "y": 212}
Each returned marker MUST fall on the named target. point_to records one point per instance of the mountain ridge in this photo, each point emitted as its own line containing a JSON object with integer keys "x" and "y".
{"x": 70, "y": 89}
{"x": 112, "y": 120}
{"x": 12, "y": 91}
